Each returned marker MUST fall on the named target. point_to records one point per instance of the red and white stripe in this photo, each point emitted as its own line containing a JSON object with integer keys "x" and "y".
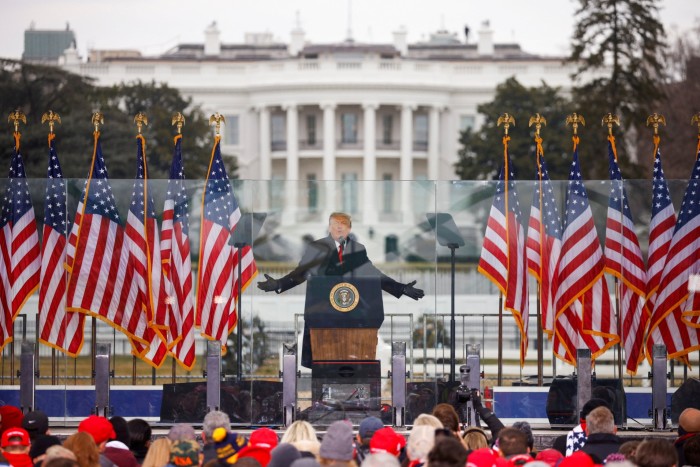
{"x": 102, "y": 279}
{"x": 57, "y": 327}
{"x": 177, "y": 272}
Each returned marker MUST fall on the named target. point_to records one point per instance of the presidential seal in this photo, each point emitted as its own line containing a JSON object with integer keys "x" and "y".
{"x": 344, "y": 297}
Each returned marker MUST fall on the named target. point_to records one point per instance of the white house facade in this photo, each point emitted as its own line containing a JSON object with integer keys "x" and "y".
{"x": 322, "y": 118}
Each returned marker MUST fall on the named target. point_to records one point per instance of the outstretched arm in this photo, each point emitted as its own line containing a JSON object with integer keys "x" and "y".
{"x": 269, "y": 284}
{"x": 413, "y": 292}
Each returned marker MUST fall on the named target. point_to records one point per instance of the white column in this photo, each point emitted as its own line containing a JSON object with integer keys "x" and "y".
{"x": 434, "y": 144}
{"x": 265, "y": 160}
{"x": 406, "y": 165}
{"x": 369, "y": 164}
{"x": 328, "y": 140}
{"x": 292, "y": 182}
{"x": 329, "y": 173}
{"x": 265, "y": 174}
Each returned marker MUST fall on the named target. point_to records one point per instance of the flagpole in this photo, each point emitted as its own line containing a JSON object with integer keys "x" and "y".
{"x": 15, "y": 117}
{"x": 609, "y": 120}
{"x": 52, "y": 118}
{"x": 539, "y": 120}
{"x": 507, "y": 120}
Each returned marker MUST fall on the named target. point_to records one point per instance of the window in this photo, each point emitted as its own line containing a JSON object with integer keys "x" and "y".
{"x": 231, "y": 130}
{"x": 312, "y": 189}
{"x": 349, "y": 128}
{"x": 387, "y": 127}
{"x": 420, "y": 194}
{"x": 311, "y": 130}
{"x": 466, "y": 122}
{"x": 276, "y": 193}
{"x": 388, "y": 189}
{"x": 349, "y": 192}
{"x": 278, "y": 131}
{"x": 420, "y": 131}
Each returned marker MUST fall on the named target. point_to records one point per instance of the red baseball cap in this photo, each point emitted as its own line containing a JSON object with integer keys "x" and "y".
{"x": 99, "y": 428}
{"x": 577, "y": 459}
{"x": 264, "y": 438}
{"x": 258, "y": 453}
{"x": 15, "y": 437}
{"x": 387, "y": 440}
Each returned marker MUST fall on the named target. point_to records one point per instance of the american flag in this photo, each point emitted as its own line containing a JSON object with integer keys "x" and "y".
{"x": 544, "y": 243}
{"x": 217, "y": 277}
{"x": 623, "y": 259}
{"x": 101, "y": 281}
{"x": 663, "y": 221}
{"x": 58, "y": 328}
{"x": 503, "y": 258}
{"x": 177, "y": 268}
{"x": 20, "y": 261}
{"x": 582, "y": 300}
{"x": 683, "y": 260}
{"x": 144, "y": 245}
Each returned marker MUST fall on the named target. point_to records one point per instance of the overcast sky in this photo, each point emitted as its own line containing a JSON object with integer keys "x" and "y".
{"x": 153, "y": 26}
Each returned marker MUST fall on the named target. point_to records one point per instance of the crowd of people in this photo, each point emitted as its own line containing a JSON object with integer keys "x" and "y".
{"x": 435, "y": 440}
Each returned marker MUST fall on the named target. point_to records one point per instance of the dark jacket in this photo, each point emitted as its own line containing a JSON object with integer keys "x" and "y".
{"x": 600, "y": 445}
{"x": 209, "y": 451}
{"x": 320, "y": 258}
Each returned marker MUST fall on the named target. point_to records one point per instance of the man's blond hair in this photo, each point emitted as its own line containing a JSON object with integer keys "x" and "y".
{"x": 600, "y": 420}
{"x": 341, "y": 217}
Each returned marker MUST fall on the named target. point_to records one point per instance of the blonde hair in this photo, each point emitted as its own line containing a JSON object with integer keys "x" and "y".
{"x": 341, "y": 217}
{"x": 59, "y": 452}
{"x": 158, "y": 453}
{"x": 475, "y": 438}
{"x": 84, "y": 448}
{"x": 420, "y": 442}
{"x": 299, "y": 431}
{"x": 302, "y": 435}
{"x": 427, "y": 419}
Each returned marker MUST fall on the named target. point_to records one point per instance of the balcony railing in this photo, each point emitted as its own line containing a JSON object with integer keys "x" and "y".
{"x": 384, "y": 144}
{"x": 420, "y": 145}
{"x": 350, "y": 144}
{"x": 278, "y": 145}
{"x": 310, "y": 144}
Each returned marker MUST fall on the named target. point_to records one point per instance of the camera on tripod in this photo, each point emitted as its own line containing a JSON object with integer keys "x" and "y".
{"x": 464, "y": 391}
{"x": 469, "y": 382}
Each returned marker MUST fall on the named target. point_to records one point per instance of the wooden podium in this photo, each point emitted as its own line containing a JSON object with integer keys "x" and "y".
{"x": 343, "y": 316}
{"x": 344, "y": 343}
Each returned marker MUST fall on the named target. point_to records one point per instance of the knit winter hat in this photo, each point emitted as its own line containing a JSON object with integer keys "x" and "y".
{"x": 184, "y": 453}
{"x": 337, "y": 444}
{"x": 228, "y": 445}
{"x": 283, "y": 455}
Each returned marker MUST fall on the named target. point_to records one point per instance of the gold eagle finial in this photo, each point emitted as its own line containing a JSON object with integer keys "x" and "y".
{"x": 179, "y": 120}
{"x": 609, "y": 120}
{"x": 140, "y": 119}
{"x": 507, "y": 120}
{"x": 654, "y": 120}
{"x": 16, "y": 117}
{"x": 217, "y": 118}
{"x": 97, "y": 120}
{"x": 575, "y": 120}
{"x": 538, "y": 120}
{"x": 695, "y": 120}
{"x": 51, "y": 117}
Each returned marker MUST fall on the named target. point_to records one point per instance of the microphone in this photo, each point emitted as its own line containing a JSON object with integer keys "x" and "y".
{"x": 342, "y": 241}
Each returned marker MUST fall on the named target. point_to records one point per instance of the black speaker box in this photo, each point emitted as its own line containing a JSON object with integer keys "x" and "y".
{"x": 687, "y": 395}
{"x": 561, "y": 400}
{"x": 245, "y": 402}
{"x": 349, "y": 390}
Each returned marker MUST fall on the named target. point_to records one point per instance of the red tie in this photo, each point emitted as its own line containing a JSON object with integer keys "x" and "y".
{"x": 340, "y": 252}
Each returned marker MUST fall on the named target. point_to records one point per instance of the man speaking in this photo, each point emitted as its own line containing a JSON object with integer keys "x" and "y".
{"x": 335, "y": 255}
